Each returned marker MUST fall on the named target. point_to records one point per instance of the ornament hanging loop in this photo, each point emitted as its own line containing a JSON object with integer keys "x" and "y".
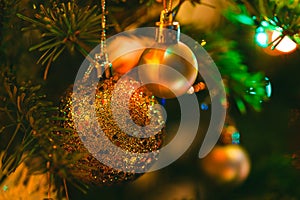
{"x": 167, "y": 7}
{"x": 166, "y": 15}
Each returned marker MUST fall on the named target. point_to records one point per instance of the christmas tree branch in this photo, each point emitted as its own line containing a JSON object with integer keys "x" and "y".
{"x": 35, "y": 122}
{"x": 63, "y": 26}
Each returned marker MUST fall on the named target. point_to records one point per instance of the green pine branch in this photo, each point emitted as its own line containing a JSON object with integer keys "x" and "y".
{"x": 245, "y": 88}
{"x": 29, "y": 126}
{"x": 19, "y": 103}
{"x": 64, "y": 26}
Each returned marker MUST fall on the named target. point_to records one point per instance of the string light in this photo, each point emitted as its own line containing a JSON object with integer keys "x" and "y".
{"x": 276, "y": 37}
{"x": 286, "y": 45}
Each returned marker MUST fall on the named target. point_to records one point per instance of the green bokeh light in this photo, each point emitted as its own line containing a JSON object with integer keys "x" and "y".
{"x": 261, "y": 37}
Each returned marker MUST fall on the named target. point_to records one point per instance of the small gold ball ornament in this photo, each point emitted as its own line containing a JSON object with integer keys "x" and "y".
{"x": 172, "y": 71}
{"x": 227, "y": 164}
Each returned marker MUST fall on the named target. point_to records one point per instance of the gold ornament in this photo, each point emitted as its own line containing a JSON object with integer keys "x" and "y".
{"x": 171, "y": 67}
{"x": 165, "y": 84}
{"x": 227, "y": 164}
{"x": 89, "y": 169}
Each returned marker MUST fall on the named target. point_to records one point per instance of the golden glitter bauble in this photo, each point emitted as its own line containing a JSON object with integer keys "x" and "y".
{"x": 227, "y": 164}
{"x": 90, "y": 170}
{"x": 172, "y": 71}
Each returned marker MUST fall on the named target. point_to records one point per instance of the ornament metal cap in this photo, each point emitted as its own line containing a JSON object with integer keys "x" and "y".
{"x": 167, "y": 32}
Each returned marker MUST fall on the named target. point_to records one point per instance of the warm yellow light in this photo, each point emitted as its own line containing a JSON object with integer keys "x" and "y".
{"x": 286, "y": 45}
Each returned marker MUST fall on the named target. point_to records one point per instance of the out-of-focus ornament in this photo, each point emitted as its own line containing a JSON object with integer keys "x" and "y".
{"x": 227, "y": 164}
{"x": 204, "y": 15}
{"x": 88, "y": 169}
{"x": 122, "y": 60}
{"x": 168, "y": 53}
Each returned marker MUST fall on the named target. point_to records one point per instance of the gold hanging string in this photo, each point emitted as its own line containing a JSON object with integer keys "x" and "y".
{"x": 168, "y": 7}
{"x": 103, "y": 50}
{"x": 101, "y": 59}
{"x": 103, "y": 26}
{"x": 166, "y": 15}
